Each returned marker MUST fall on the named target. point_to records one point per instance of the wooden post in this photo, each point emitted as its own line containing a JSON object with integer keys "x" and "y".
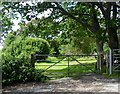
{"x": 107, "y": 63}
{"x": 1, "y": 77}
{"x": 110, "y": 62}
{"x": 33, "y": 60}
{"x": 68, "y": 67}
{"x": 98, "y": 64}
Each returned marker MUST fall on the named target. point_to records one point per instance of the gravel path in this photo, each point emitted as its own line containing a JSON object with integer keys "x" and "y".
{"x": 85, "y": 83}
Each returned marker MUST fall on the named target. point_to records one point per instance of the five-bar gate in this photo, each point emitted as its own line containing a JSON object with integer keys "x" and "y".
{"x": 69, "y": 65}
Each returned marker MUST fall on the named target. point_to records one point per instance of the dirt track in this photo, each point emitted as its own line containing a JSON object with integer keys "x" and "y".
{"x": 85, "y": 83}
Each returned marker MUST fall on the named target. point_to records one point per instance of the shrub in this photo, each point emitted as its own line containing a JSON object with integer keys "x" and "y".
{"x": 16, "y": 56}
{"x": 16, "y": 71}
{"x": 35, "y": 45}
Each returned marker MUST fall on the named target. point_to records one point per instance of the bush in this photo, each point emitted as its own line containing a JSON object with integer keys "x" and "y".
{"x": 16, "y": 56}
{"x": 35, "y": 45}
{"x": 14, "y": 72}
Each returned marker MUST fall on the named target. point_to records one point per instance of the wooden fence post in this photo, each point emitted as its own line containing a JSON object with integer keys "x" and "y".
{"x": 33, "y": 58}
{"x": 110, "y": 62}
{"x": 98, "y": 66}
{"x": 68, "y": 67}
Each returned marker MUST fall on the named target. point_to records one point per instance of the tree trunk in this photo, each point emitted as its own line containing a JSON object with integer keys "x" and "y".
{"x": 113, "y": 38}
{"x": 113, "y": 41}
{"x": 100, "y": 51}
{"x": 99, "y": 41}
{"x": 111, "y": 28}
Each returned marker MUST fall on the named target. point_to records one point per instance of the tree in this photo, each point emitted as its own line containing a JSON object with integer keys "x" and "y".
{"x": 42, "y": 28}
{"x": 5, "y": 24}
{"x": 76, "y": 37}
{"x": 94, "y": 17}
{"x": 57, "y": 34}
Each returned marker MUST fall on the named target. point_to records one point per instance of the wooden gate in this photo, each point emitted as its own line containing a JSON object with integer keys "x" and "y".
{"x": 57, "y": 66}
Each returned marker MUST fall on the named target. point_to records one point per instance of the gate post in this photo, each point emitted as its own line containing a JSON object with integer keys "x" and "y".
{"x": 107, "y": 63}
{"x": 110, "y": 61}
{"x": 68, "y": 67}
{"x": 32, "y": 60}
{"x": 98, "y": 64}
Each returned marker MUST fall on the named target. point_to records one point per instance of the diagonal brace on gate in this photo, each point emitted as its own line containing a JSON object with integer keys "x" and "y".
{"x": 82, "y": 64}
{"x": 54, "y": 64}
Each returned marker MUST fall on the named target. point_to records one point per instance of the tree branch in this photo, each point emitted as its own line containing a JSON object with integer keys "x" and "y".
{"x": 114, "y": 11}
{"x": 101, "y": 7}
{"x": 84, "y": 24}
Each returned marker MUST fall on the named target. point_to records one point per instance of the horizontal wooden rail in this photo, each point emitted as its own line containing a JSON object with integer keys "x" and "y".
{"x": 64, "y": 55}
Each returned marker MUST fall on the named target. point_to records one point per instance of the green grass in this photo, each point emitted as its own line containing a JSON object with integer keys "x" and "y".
{"x": 61, "y": 68}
